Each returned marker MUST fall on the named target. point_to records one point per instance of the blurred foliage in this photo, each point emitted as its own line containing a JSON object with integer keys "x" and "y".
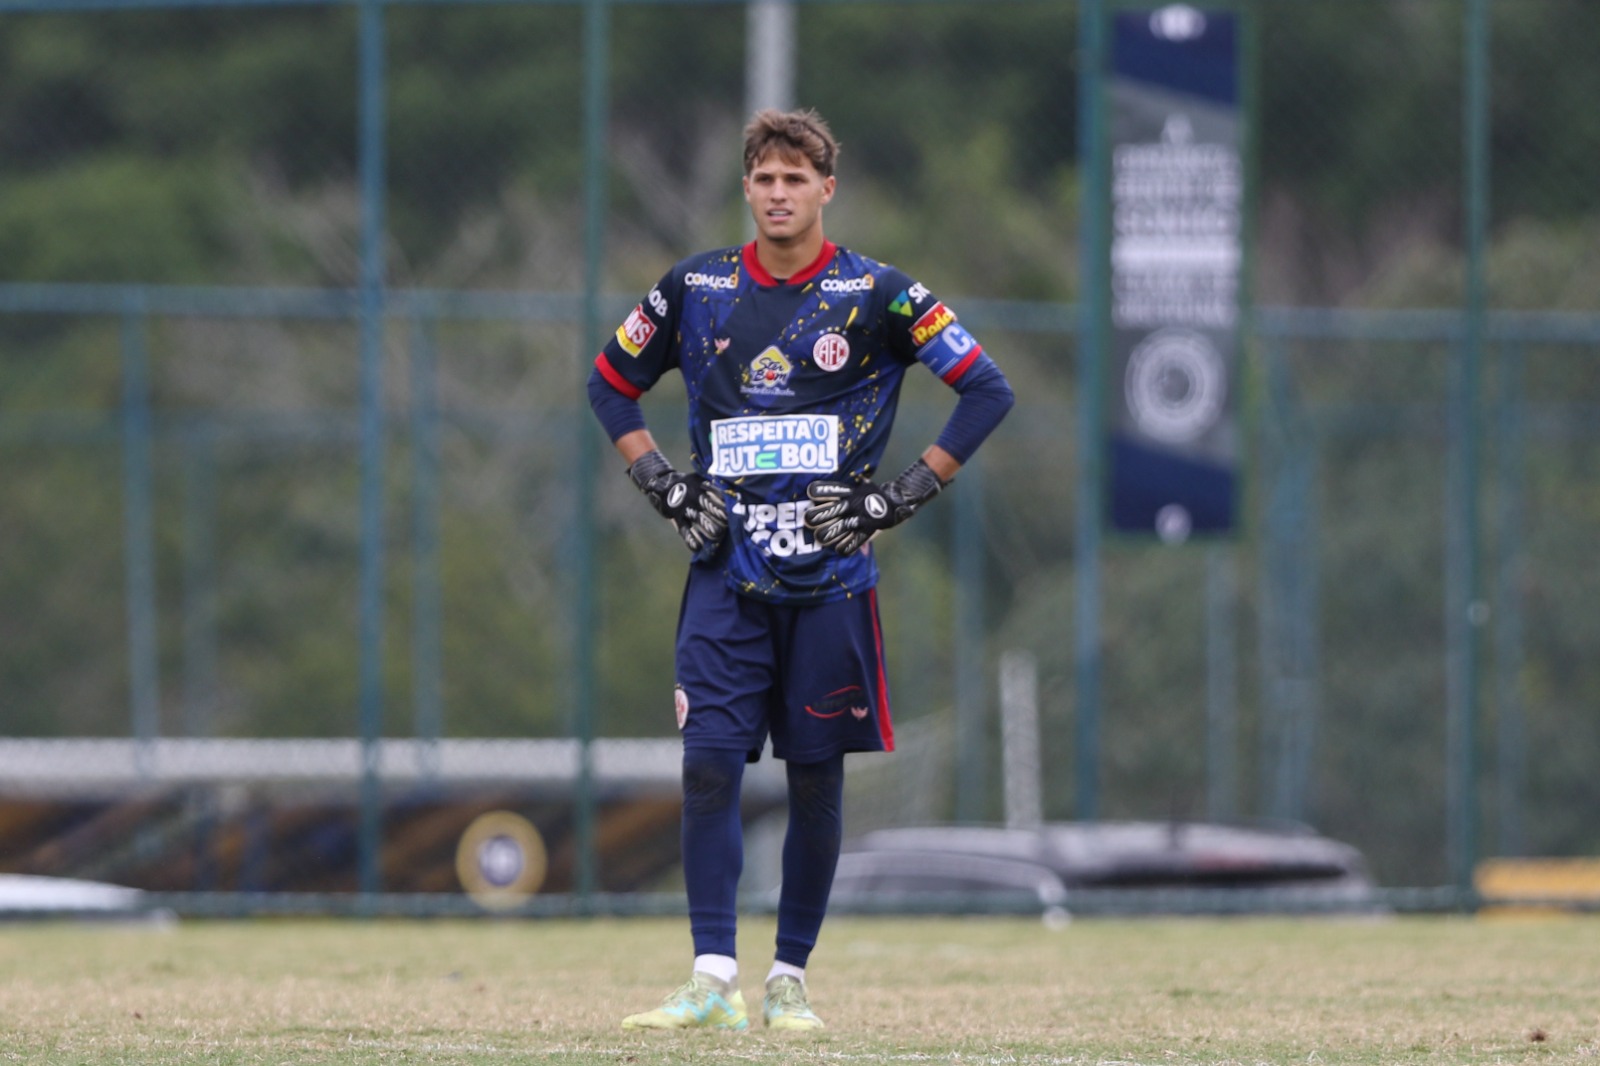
{"x": 218, "y": 146}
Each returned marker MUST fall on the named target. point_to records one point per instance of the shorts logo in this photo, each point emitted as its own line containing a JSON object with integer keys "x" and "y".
{"x": 830, "y": 352}
{"x": 768, "y": 375}
{"x": 636, "y": 332}
{"x": 852, "y": 698}
{"x": 774, "y": 444}
{"x": 928, "y": 326}
{"x": 680, "y": 704}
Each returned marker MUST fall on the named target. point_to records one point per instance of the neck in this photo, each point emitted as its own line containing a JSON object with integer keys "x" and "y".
{"x": 788, "y": 258}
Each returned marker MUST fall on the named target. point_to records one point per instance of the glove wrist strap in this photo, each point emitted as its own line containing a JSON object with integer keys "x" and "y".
{"x": 918, "y": 484}
{"x": 649, "y": 466}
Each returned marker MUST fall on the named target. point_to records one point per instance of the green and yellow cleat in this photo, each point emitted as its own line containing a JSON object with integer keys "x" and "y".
{"x": 786, "y": 1006}
{"x": 703, "y": 1002}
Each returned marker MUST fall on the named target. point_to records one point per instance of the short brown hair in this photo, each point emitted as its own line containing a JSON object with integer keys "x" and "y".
{"x": 793, "y": 135}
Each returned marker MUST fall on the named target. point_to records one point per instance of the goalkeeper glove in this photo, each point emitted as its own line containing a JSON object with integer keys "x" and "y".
{"x": 844, "y": 515}
{"x": 691, "y": 503}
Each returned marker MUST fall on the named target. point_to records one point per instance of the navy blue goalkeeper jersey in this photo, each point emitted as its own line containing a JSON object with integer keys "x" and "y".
{"x": 787, "y": 381}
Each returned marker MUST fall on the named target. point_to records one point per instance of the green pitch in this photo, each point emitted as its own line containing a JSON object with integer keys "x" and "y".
{"x": 987, "y": 991}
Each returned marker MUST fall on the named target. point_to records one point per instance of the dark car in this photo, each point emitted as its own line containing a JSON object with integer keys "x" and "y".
{"x": 1128, "y": 867}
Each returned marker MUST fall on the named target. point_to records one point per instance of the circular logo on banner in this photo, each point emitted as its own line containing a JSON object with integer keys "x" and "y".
{"x": 1173, "y": 523}
{"x": 1175, "y": 385}
{"x": 501, "y": 860}
{"x": 830, "y": 352}
{"x": 1177, "y": 22}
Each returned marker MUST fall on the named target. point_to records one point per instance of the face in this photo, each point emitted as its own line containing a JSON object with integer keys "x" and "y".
{"x": 786, "y": 198}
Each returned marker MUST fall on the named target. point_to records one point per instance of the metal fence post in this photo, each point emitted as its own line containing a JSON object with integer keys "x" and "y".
{"x": 372, "y": 87}
{"x": 1467, "y": 610}
{"x": 427, "y": 709}
{"x": 1094, "y": 241}
{"x": 596, "y": 42}
{"x": 138, "y": 534}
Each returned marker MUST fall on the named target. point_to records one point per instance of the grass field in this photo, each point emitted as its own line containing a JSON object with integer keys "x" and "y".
{"x": 1414, "y": 990}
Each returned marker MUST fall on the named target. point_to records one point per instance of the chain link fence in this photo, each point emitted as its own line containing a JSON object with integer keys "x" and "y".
{"x": 235, "y": 233}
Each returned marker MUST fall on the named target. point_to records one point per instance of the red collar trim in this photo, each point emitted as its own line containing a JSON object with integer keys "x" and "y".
{"x": 763, "y": 277}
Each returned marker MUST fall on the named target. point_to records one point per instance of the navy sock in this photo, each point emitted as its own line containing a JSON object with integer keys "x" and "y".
{"x": 713, "y": 846}
{"x": 810, "y": 854}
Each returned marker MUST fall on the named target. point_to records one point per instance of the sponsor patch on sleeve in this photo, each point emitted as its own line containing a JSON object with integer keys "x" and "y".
{"x": 636, "y": 332}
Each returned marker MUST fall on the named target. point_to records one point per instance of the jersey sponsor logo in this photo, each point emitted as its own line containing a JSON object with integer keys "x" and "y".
{"x": 768, "y": 375}
{"x": 697, "y": 280}
{"x": 907, "y": 302}
{"x": 774, "y": 444}
{"x": 830, "y": 352}
{"x": 636, "y": 332}
{"x": 658, "y": 302}
{"x": 778, "y": 529}
{"x": 933, "y": 320}
{"x": 847, "y": 285}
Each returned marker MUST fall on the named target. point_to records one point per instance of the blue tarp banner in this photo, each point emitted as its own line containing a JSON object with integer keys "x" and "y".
{"x": 1177, "y": 206}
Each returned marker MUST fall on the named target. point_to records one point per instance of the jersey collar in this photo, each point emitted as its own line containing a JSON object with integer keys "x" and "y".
{"x": 762, "y": 277}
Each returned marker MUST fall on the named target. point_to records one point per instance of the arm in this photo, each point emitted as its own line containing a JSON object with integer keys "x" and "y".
{"x": 846, "y": 515}
{"x": 690, "y": 502}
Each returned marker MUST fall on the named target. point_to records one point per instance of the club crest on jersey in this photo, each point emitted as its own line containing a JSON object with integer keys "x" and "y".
{"x": 768, "y": 375}
{"x": 680, "y": 704}
{"x": 831, "y": 352}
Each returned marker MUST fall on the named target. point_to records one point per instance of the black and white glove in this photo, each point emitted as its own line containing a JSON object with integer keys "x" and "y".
{"x": 692, "y": 504}
{"x": 844, "y": 515}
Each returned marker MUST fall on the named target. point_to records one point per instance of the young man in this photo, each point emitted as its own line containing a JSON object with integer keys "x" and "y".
{"x": 792, "y": 350}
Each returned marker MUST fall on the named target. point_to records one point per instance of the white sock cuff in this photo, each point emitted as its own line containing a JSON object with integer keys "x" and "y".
{"x": 784, "y": 969}
{"x": 724, "y": 968}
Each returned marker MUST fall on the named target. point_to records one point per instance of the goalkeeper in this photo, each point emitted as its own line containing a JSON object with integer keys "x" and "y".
{"x": 792, "y": 350}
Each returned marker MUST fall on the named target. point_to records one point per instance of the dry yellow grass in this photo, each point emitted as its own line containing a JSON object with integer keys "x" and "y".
{"x": 892, "y": 990}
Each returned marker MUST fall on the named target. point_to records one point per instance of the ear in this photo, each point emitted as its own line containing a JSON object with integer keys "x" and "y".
{"x": 829, "y": 183}
{"x": 745, "y": 181}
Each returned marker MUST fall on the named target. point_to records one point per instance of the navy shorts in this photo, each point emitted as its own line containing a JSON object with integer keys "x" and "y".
{"x": 811, "y": 677}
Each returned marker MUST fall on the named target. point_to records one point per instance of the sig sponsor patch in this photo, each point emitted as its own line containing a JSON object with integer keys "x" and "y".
{"x": 636, "y": 332}
{"x": 774, "y": 444}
